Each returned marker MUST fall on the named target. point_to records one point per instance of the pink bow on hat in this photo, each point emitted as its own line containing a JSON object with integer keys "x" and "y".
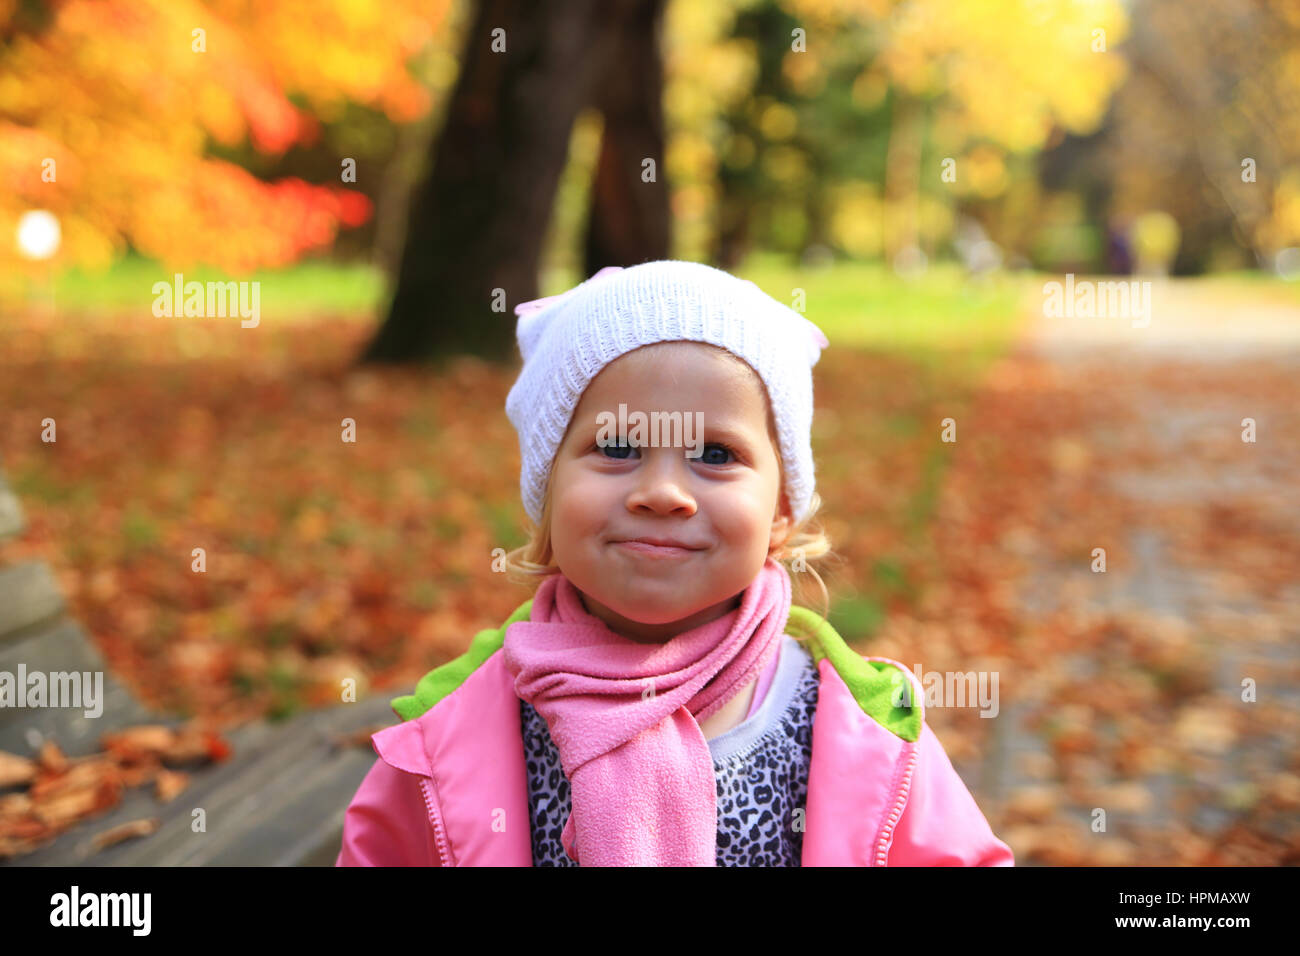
{"x": 526, "y": 330}
{"x": 536, "y": 305}
{"x": 817, "y": 335}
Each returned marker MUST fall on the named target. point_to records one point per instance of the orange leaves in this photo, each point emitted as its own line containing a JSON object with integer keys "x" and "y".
{"x": 341, "y": 50}
{"x": 1210, "y": 728}
{"x": 311, "y": 525}
{"x": 15, "y": 770}
{"x": 214, "y": 212}
{"x": 122, "y": 96}
{"x": 273, "y": 124}
{"x": 138, "y": 743}
{"x": 321, "y": 558}
{"x": 125, "y": 831}
{"x": 60, "y": 797}
{"x": 150, "y": 743}
{"x": 61, "y": 792}
{"x": 371, "y": 587}
{"x": 21, "y": 176}
{"x": 51, "y": 758}
{"x": 169, "y": 783}
{"x": 1132, "y": 679}
{"x": 325, "y": 680}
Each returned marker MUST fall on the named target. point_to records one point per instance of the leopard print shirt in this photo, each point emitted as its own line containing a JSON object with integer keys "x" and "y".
{"x": 760, "y": 765}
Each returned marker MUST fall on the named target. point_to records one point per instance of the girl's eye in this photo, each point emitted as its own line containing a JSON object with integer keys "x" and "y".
{"x": 620, "y": 447}
{"x": 704, "y": 456}
{"x": 621, "y": 452}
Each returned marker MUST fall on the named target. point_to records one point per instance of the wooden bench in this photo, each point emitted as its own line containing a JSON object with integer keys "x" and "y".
{"x": 278, "y": 801}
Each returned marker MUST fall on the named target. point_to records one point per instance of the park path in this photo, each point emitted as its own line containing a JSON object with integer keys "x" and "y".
{"x": 1122, "y": 691}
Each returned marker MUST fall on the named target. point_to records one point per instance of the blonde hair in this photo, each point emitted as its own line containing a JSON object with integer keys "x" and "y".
{"x": 806, "y": 544}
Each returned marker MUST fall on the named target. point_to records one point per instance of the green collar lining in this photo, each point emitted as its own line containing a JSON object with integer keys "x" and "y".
{"x": 874, "y": 684}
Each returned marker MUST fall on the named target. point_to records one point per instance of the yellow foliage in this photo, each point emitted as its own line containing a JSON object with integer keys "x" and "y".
{"x": 123, "y": 98}
{"x": 1012, "y": 66}
{"x": 690, "y": 157}
{"x": 935, "y": 218}
{"x": 785, "y": 165}
{"x": 805, "y": 72}
{"x": 705, "y": 72}
{"x": 1155, "y": 238}
{"x": 739, "y": 151}
{"x": 1006, "y": 75}
{"x": 869, "y": 89}
{"x": 857, "y": 219}
{"x": 1282, "y": 228}
{"x": 778, "y": 121}
{"x": 983, "y": 172}
{"x": 834, "y": 12}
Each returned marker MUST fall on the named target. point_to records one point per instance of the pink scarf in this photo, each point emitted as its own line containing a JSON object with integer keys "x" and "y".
{"x": 625, "y": 717}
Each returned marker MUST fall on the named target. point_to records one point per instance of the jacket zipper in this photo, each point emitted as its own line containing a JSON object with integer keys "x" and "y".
{"x": 439, "y": 836}
{"x": 896, "y": 813}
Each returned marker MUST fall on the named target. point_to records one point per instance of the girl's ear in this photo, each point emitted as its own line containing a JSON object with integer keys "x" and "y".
{"x": 782, "y": 524}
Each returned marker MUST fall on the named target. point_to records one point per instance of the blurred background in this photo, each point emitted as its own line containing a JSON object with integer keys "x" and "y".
{"x": 1111, "y": 523}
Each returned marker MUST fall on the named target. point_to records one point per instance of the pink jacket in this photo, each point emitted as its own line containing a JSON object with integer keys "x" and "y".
{"x": 449, "y": 786}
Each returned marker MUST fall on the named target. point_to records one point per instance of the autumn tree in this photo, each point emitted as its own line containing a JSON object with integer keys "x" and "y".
{"x": 477, "y": 224}
{"x": 1208, "y": 128}
{"x": 974, "y": 83}
{"x": 111, "y": 110}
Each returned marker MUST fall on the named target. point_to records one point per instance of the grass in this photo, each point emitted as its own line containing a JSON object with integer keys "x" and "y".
{"x": 858, "y": 304}
{"x": 936, "y": 317}
{"x": 867, "y": 305}
{"x": 311, "y": 287}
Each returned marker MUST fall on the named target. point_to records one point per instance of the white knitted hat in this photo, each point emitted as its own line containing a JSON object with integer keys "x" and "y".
{"x": 566, "y": 339}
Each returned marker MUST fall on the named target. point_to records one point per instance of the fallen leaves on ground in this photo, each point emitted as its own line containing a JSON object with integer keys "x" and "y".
{"x": 61, "y": 792}
{"x": 328, "y": 561}
{"x": 130, "y": 830}
{"x": 1131, "y": 680}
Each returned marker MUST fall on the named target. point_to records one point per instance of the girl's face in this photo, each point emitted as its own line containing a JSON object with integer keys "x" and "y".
{"x": 726, "y": 504}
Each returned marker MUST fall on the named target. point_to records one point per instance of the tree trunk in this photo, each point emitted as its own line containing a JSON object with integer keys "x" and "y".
{"x": 629, "y": 220}
{"x": 478, "y": 221}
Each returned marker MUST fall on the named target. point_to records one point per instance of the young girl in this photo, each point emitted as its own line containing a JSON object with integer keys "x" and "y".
{"x": 660, "y": 701}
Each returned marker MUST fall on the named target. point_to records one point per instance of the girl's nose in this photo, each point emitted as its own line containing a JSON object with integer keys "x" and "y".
{"x": 661, "y": 483}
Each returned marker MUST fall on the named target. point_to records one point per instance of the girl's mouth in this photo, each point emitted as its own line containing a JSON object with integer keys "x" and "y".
{"x": 653, "y": 550}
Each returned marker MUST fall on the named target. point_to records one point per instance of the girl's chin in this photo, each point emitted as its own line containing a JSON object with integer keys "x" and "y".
{"x": 651, "y": 612}
{"x": 671, "y": 617}
{"x": 648, "y": 615}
